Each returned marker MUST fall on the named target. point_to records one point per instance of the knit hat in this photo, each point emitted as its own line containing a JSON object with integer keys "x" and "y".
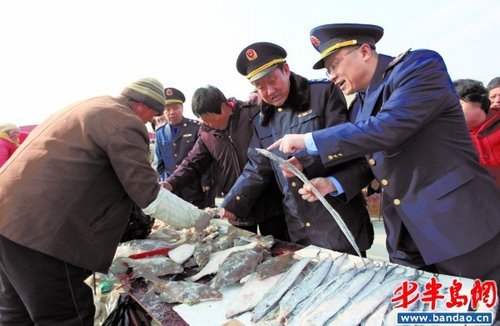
{"x": 148, "y": 91}
{"x": 7, "y": 126}
{"x": 494, "y": 83}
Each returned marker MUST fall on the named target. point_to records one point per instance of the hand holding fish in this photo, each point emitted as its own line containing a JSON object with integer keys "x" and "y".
{"x": 289, "y": 143}
{"x": 286, "y": 172}
{"x": 323, "y": 185}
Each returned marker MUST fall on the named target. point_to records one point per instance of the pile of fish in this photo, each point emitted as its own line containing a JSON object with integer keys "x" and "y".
{"x": 330, "y": 292}
{"x": 163, "y": 260}
{"x": 332, "y": 289}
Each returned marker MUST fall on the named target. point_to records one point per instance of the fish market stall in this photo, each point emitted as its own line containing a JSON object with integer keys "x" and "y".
{"x": 228, "y": 275}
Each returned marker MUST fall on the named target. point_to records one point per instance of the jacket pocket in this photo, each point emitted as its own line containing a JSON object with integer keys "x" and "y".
{"x": 449, "y": 181}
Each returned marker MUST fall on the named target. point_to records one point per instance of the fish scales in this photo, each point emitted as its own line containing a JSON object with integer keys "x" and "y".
{"x": 272, "y": 298}
{"x": 302, "y": 290}
{"x": 236, "y": 266}
{"x": 321, "y": 314}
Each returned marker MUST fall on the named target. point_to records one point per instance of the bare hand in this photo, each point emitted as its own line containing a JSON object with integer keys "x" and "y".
{"x": 286, "y": 172}
{"x": 224, "y": 213}
{"x": 289, "y": 143}
{"x": 323, "y": 185}
{"x": 167, "y": 186}
{"x": 205, "y": 188}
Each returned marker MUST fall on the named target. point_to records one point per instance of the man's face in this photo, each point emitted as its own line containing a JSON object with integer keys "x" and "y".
{"x": 347, "y": 69}
{"x": 173, "y": 113}
{"x": 494, "y": 96}
{"x": 474, "y": 115}
{"x": 217, "y": 121}
{"x": 274, "y": 87}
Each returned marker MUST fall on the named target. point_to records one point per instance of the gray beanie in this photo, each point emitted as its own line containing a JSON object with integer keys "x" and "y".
{"x": 148, "y": 91}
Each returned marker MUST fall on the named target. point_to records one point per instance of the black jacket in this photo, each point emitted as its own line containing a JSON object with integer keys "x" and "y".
{"x": 310, "y": 106}
{"x": 229, "y": 149}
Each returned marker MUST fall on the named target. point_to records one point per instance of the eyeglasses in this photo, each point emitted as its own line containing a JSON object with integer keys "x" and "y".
{"x": 335, "y": 65}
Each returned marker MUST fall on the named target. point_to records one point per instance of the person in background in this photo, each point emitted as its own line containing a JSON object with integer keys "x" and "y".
{"x": 485, "y": 132}
{"x": 9, "y": 141}
{"x": 291, "y": 103}
{"x": 173, "y": 142}
{"x": 494, "y": 96}
{"x": 440, "y": 206}
{"x": 224, "y": 141}
{"x": 65, "y": 200}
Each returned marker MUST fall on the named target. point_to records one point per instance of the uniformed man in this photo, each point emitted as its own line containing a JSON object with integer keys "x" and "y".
{"x": 174, "y": 140}
{"x": 441, "y": 208}
{"x": 291, "y": 103}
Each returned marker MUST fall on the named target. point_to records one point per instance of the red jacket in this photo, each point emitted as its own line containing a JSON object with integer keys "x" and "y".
{"x": 486, "y": 139}
{"x": 7, "y": 148}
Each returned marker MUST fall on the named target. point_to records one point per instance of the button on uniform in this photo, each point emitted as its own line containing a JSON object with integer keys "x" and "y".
{"x": 308, "y": 224}
{"x": 396, "y": 202}
{"x": 238, "y": 197}
{"x": 294, "y": 184}
{"x": 372, "y": 162}
{"x": 280, "y": 109}
{"x": 384, "y": 182}
{"x": 330, "y": 157}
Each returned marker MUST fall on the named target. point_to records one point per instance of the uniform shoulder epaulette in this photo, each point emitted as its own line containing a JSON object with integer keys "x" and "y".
{"x": 398, "y": 59}
{"x": 193, "y": 121}
{"x": 319, "y": 81}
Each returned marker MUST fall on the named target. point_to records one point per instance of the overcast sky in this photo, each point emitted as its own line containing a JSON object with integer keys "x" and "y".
{"x": 56, "y": 52}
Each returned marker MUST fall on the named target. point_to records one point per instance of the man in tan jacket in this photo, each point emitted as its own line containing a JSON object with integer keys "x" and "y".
{"x": 65, "y": 200}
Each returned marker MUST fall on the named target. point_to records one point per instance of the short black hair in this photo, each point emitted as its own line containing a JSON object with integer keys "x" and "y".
{"x": 207, "y": 100}
{"x": 473, "y": 91}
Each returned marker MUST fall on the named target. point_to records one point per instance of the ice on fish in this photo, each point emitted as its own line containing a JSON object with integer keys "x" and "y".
{"x": 184, "y": 292}
{"x": 181, "y": 253}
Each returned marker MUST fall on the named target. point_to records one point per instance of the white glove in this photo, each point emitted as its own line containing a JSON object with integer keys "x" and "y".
{"x": 177, "y": 212}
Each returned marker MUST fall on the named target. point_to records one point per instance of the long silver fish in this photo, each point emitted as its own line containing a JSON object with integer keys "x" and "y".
{"x": 302, "y": 290}
{"x": 329, "y": 208}
{"x": 251, "y": 293}
{"x": 376, "y": 318}
{"x": 330, "y": 306}
{"x": 320, "y": 294}
{"x": 353, "y": 314}
{"x": 272, "y": 298}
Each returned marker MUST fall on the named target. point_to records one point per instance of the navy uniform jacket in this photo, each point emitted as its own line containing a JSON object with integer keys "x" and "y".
{"x": 170, "y": 150}
{"x": 308, "y": 107}
{"x": 439, "y": 202}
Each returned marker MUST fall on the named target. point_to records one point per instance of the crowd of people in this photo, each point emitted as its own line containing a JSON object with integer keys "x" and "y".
{"x": 428, "y": 145}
